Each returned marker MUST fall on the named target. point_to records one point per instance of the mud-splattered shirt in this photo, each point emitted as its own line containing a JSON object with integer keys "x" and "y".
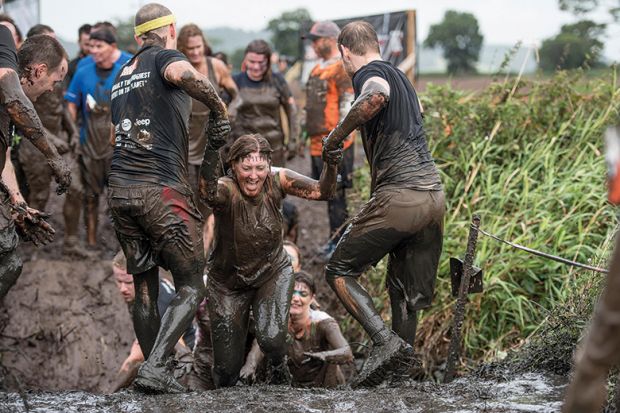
{"x": 150, "y": 117}
{"x": 394, "y": 140}
{"x": 248, "y": 247}
{"x": 8, "y": 60}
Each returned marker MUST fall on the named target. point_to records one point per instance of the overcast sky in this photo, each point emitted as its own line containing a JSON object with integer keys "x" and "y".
{"x": 501, "y": 21}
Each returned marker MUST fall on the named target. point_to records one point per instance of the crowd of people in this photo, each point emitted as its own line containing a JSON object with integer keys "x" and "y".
{"x": 192, "y": 161}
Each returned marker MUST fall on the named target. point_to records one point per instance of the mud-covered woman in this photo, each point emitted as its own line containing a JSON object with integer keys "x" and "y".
{"x": 249, "y": 270}
{"x": 263, "y": 94}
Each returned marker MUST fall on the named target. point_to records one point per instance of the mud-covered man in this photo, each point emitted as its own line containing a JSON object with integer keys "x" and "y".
{"x": 150, "y": 199}
{"x": 329, "y": 95}
{"x": 404, "y": 216}
{"x": 42, "y": 64}
{"x": 36, "y": 175}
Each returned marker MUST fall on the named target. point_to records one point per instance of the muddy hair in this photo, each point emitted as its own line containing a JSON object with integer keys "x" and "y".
{"x": 40, "y": 49}
{"x": 304, "y": 277}
{"x": 359, "y": 37}
{"x": 191, "y": 30}
{"x": 119, "y": 261}
{"x": 259, "y": 46}
{"x": 150, "y": 12}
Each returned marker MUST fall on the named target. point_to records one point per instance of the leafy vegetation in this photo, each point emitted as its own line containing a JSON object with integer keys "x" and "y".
{"x": 526, "y": 156}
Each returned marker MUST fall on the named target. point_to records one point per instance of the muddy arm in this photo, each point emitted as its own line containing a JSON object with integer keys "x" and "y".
{"x": 70, "y": 127}
{"x": 255, "y": 356}
{"x": 129, "y": 368}
{"x": 341, "y": 352}
{"x": 226, "y": 81}
{"x": 305, "y": 187}
{"x": 375, "y": 95}
{"x": 10, "y": 181}
{"x": 212, "y": 191}
{"x": 25, "y": 118}
{"x": 290, "y": 108}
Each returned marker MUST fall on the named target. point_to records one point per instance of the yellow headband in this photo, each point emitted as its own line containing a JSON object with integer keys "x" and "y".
{"x": 154, "y": 24}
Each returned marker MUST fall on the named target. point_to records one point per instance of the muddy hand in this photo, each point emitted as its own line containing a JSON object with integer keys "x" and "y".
{"x": 32, "y": 225}
{"x": 291, "y": 150}
{"x": 218, "y": 130}
{"x": 247, "y": 375}
{"x": 314, "y": 356}
{"x": 62, "y": 173}
{"x": 331, "y": 156}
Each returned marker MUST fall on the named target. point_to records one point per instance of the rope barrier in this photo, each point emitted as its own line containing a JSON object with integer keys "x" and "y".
{"x": 541, "y": 254}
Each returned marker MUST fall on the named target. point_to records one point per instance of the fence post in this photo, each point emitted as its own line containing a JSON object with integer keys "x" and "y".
{"x": 459, "y": 308}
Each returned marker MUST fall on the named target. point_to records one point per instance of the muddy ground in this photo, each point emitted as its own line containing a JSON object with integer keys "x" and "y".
{"x": 64, "y": 330}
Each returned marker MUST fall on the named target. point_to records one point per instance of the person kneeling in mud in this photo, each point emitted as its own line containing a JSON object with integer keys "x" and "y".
{"x": 248, "y": 268}
{"x": 317, "y": 347}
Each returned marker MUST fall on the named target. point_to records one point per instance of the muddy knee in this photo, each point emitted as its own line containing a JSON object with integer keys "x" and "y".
{"x": 273, "y": 346}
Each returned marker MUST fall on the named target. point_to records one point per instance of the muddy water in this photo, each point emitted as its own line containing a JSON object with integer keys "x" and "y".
{"x": 524, "y": 393}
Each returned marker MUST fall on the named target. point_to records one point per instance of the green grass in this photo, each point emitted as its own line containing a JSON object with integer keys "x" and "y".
{"x": 529, "y": 159}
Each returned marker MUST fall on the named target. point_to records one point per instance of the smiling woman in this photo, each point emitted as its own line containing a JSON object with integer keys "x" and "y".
{"x": 249, "y": 268}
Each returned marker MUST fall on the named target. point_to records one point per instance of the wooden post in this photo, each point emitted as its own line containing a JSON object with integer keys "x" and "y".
{"x": 411, "y": 43}
{"x": 459, "y": 308}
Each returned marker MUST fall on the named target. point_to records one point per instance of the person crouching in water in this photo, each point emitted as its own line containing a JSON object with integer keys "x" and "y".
{"x": 248, "y": 268}
{"x": 316, "y": 349}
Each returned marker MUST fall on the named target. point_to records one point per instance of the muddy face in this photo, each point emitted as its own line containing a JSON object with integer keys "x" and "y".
{"x": 125, "y": 285}
{"x": 346, "y": 61}
{"x": 302, "y": 297}
{"x": 41, "y": 79}
{"x": 251, "y": 173}
{"x": 195, "y": 50}
{"x": 256, "y": 65}
{"x": 322, "y": 47}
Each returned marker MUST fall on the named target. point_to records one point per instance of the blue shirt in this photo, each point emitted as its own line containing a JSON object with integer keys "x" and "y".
{"x": 86, "y": 81}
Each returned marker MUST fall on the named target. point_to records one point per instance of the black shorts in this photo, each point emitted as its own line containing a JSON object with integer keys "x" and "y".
{"x": 404, "y": 223}
{"x": 152, "y": 222}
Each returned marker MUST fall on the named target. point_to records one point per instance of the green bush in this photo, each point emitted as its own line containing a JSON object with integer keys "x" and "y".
{"x": 528, "y": 157}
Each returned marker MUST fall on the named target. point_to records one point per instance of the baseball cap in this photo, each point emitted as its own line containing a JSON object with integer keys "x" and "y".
{"x": 325, "y": 28}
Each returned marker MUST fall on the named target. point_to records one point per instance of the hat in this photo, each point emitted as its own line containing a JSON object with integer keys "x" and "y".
{"x": 325, "y": 28}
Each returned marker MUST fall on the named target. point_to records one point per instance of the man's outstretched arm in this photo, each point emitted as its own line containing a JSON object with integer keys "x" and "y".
{"x": 375, "y": 95}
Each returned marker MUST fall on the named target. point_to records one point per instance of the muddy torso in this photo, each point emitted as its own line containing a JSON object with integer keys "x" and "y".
{"x": 259, "y": 110}
{"x": 248, "y": 238}
{"x": 310, "y": 373}
{"x": 394, "y": 140}
{"x": 50, "y": 108}
{"x": 198, "y": 121}
{"x": 150, "y": 119}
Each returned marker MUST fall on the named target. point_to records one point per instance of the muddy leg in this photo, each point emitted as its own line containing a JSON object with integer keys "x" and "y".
{"x": 229, "y": 313}
{"x": 145, "y": 313}
{"x": 271, "y": 310}
{"x": 10, "y": 269}
{"x": 208, "y": 228}
{"x": 92, "y": 217}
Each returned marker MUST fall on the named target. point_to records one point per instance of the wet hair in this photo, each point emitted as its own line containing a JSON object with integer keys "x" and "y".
{"x": 9, "y": 19}
{"x": 40, "y": 49}
{"x": 120, "y": 261}
{"x": 359, "y": 37}
{"x": 191, "y": 30}
{"x": 84, "y": 29}
{"x": 39, "y": 29}
{"x": 261, "y": 47}
{"x": 295, "y": 247}
{"x": 150, "y": 12}
{"x": 304, "y": 277}
{"x": 247, "y": 144}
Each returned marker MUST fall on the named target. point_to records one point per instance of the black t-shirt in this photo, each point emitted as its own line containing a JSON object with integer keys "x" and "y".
{"x": 150, "y": 117}
{"x": 394, "y": 139}
{"x": 8, "y": 60}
